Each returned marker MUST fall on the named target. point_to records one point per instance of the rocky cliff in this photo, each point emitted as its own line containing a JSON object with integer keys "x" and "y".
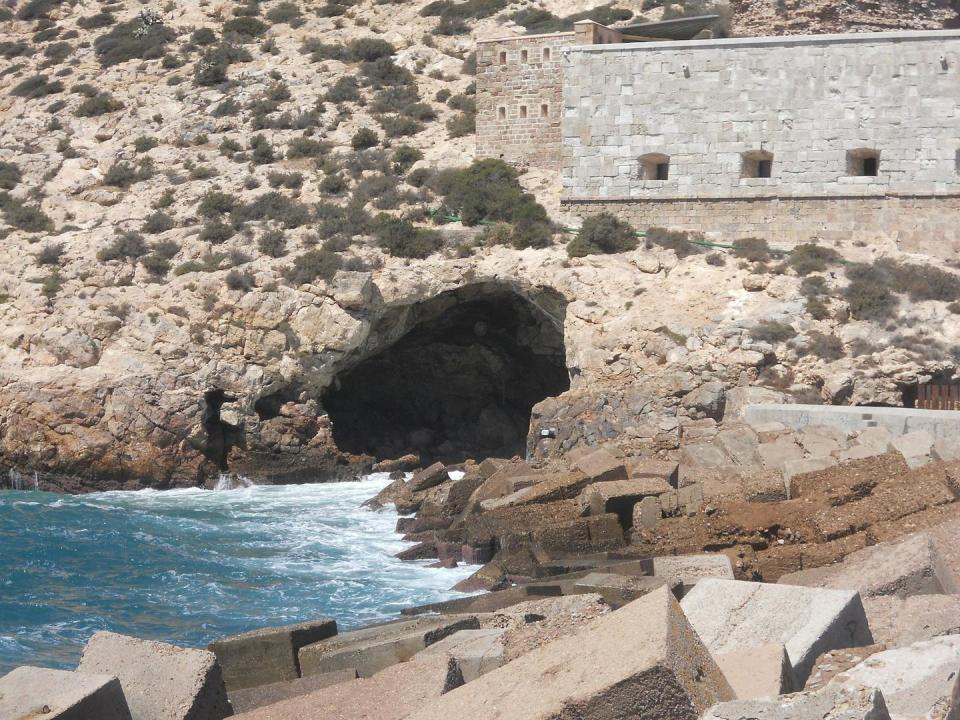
{"x": 194, "y": 279}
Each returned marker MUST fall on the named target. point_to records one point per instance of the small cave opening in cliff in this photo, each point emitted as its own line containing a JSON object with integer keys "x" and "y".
{"x": 453, "y": 377}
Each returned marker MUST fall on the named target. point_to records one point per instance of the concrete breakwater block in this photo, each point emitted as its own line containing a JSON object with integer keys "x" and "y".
{"x": 476, "y": 652}
{"x": 618, "y": 590}
{"x": 758, "y": 672}
{"x": 255, "y": 697}
{"x": 267, "y": 655}
{"x": 33, "y": 692}
{"x": 846, "y": 704}
{"x": 690, "y": 569}
{"x": 643, "y": 660}
{"x": 160, "y": 681}
{"x": 897, "y": 621}
{"x": 732, "y": 615}
{"x": 391, "y": 694}
{"x": 918, "y": 681}
{"x": 911, "y": 566}
{"x": 374, "y": 648}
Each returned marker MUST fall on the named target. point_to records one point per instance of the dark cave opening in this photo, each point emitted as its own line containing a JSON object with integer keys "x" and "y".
{"x": 459, "y": 382}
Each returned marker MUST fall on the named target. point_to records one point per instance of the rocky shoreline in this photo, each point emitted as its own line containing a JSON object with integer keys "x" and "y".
{"x": 767, "y": 572}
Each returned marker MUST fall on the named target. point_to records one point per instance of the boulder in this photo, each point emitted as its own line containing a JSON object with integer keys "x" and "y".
{"x": 601, "y": 465}
{"x": 841, "y": 704}
{"x": 643, "y": 660}
{"x": 267, "y": 655}
{"x": 732, "y": 615}
{"x": 917, "y": 681}
{"x": 910, "y": 566}
{"x": 758, "y": 672}
{"x": 391, "y": 694}
{"x": 254, "y": 697}
{"x": 428, "y": 477}
{"x": 739, "y": 398}
{"x": 160, "y": 681}
{"x": 32, "y": 692}
{"x": 476, "y": 652}
{"x": 374, "y": 648}
{"x": 707, "y": 401}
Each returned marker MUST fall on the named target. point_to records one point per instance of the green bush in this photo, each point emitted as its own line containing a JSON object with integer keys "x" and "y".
{"x": 36, "y": 87}
{"x": 394, "y": 99}
{"x": 311, "y": 265}
{"x": 384, "y": 72}
{"x": 536, "y": 21}
{"x": 203, "y": 36}
{"x": 245, "y": 28}
{"x": 675, "y": 240}
{"x": 921, "y": 282}
{"x": 752, "y": 249}
{"x": 35, "y": 9}
{"x": 810, "y": 258}
{"x": 98, "y": 105}
{"x": 451, "y": 26}
{"x": 304, "y": 147}
{"x": 333, "y": 184}
{"x": 345, "y": 89}
{"x": 404, "y": 157}
{"x": 369, "y": 49}
{"x": 99, "y": 20}
{"x": 239, "y": 280}
{"x": 320, "y": 51}
{"x": 123, "y": 175}
{"x": 825, "y": 347}
{"x": 489, "y": 190}
{"x": 157, "y": 222}
{"x": 10, "y": 175}
{"x": 29, "y": 218}
{"x": 50, "y": 254}
{"x": 364, "y": 138}
{"x": 602, "y": 234}
{"x": 290, "y": 180}
{"x": 261, "y": 150}
{"x": 128, "y": 245}
{"x": 10, "y": 50}
{"x": 401, "y": 238}
{"x": 133, "y": 40}
{"x": 285, "y": 13}
{"x": 145, "y": 143}
{"x": 52, "y": 284}
{"x": 772, "y": 331}
{"x": 216, "y": 232}
{"x": 868, "y": 294}
{"x": 57, "y": 52}
{"x": 273, "y": 243}
{"x": 273, "y": 206}
{"x": 461, "y": 125}
{"x": 395, "y": 126}
{"x": 216, "y": 203}
{"x": 210, "y": 70}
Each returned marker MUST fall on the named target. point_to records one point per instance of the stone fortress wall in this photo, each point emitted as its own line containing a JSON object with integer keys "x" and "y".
{"x": 859, "y": 133}
{"x": 853, "y": 136}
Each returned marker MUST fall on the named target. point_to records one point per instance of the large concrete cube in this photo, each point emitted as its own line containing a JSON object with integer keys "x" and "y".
{"x": 911, "y": 566}
{"x": 391, "y": 694}
{"x": 476, "y": 652}
{"x": 160, "y": 681}
{"x": 642, "y": 661}
{"x": 254, "y": 697}
{"x": 758, "y": 672}
{"x": 28, "y": 692}
{"x": 374, "y": 648}
{"x": 918, "y": 681}
{"x": 732, "y": 615}
{"x": 267, "y": 655}
{"x": 601, "y": 465}
{"x": 843, "y": 704}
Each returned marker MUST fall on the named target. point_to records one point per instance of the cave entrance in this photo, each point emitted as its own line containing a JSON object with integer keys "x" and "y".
{"x": 453, "y": 377}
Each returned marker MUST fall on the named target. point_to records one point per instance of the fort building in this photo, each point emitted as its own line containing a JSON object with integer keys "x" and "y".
{"x": 794, "y": 139}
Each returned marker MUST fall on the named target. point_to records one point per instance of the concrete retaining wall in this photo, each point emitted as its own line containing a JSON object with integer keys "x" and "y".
{"x": 941, "y": 424}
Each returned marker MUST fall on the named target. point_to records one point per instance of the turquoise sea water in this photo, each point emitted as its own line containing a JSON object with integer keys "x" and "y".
{"x": 189, "y": 566}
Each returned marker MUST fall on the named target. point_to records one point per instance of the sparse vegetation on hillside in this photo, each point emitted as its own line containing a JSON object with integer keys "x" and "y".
{"x": 602, "y": 234}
